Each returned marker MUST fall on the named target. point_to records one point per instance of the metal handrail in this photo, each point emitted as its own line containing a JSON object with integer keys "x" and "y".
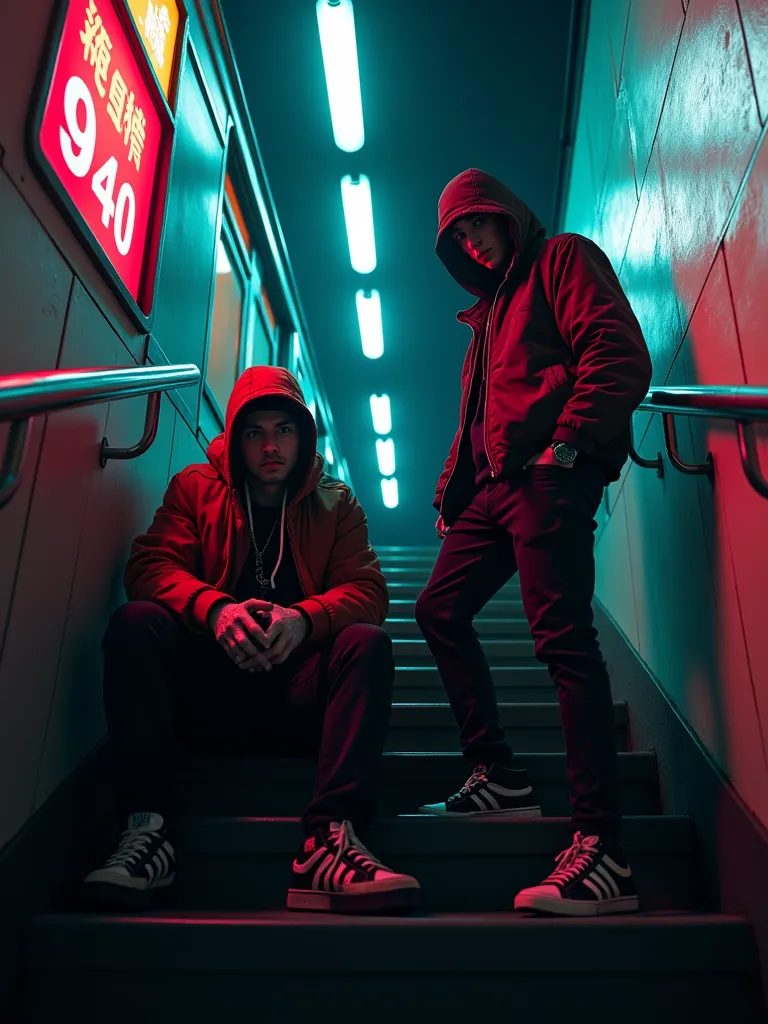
{"x": 746, "y": 406}
{"x": 26, "y": 395}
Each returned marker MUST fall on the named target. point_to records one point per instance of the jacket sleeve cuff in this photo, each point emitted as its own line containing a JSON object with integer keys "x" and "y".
{"x": 307, "y": 619}
{"x": 203, "y": 603}
{"x": 575, "y": 438}
{"x": 320, "y": 620}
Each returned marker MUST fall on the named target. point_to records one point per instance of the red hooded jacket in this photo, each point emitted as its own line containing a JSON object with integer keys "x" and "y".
{"x": 194, "y": 552}
{"x": 564, "y": 356}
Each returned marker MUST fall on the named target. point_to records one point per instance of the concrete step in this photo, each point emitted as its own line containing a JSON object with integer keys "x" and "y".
{"x": 409, "y": 549}
{"x": 400, "y": 573}
{"x": 497, "y": 608}
{"x": 245, "y": 863}
{"x": 498, "y": 652}
{"x": 527, "y": 684}
{"x": 265, "y": 786}
{"x": 275, "y": 967}
{"x": 410, "y": 590}
{"x": 493, "y": 629}
{"x": 530, "y": 728}
{"x": 407, "y": 552}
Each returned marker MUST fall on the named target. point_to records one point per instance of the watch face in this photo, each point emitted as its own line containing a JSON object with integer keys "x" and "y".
{"x": 564, "y": 452}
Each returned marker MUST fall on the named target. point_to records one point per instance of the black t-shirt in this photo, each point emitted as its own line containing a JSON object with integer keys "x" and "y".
{"x": 266, "y": 524}
{"x": 476, "y": 417}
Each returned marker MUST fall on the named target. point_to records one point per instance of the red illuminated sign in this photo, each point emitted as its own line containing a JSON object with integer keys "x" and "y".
{"x": 104, "y": 135}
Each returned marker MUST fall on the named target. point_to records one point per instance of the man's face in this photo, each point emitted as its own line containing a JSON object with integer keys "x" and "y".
{"x": 269, "y": 442}
{"x": 485, "y": 238}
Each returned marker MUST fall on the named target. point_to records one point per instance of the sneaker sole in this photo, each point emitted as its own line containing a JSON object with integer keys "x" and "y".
{"x": 353, "y": 903}
{"x": 577, "y": 908}
{"x": 518, "y": 812}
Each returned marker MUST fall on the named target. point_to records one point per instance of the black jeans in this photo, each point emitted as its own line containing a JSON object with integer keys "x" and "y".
{"x": 540, "y": 523}
{"x": 166, "y": 687}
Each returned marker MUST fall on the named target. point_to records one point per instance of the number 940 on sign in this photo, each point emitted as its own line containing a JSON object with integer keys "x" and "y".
{"x": 77, "y": 147}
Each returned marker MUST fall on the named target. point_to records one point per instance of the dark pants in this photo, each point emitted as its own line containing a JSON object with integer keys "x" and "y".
{"x": 540, "y": 523}
{"x": 165, "y": 687}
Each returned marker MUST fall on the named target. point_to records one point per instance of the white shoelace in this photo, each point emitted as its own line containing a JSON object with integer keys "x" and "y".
{"x": 573, "y": 861}
{"x": 479, "y": 775}
{"x": 132, "y": 846}
{"x": 348, "y": 842}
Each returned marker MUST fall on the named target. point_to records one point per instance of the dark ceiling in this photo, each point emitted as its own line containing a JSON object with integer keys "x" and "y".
{"x": 446, "y": 85}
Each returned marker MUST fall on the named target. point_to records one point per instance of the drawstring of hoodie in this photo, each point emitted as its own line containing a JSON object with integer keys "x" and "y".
{"x": 282, "y": 540}
{"x": 282, "y": 531}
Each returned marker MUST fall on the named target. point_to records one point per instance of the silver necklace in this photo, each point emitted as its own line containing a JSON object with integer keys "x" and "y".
{"x": 264, "y": 583}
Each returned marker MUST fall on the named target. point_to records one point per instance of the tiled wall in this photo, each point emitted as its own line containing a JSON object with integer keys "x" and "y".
{"x": 670, "y": 176}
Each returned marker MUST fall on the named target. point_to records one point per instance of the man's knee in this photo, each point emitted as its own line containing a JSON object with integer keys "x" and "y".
{"x": 556, "y": 641}
{"x": 430, "y": 611}
{"x": 366, "y": 652}
{"x": 133, "y": 620}
{"x": 366, "y": 639}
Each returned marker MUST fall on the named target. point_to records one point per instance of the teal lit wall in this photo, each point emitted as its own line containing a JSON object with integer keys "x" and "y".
{"x": 670, "y": 176}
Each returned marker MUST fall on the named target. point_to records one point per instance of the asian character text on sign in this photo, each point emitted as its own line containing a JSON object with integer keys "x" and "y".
{"x": 126, "y": 117}
{"x": 157, "y": 25}
{"x": 96, "y": 46}
{"x": 103, "y": 138}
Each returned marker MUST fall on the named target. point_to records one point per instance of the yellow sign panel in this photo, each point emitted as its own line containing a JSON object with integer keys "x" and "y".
{"x": 158, "y": 25}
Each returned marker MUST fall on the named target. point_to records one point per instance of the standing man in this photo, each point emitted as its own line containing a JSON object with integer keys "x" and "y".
{"x": 254, "y": 625}
{"x": 555, "y": 368}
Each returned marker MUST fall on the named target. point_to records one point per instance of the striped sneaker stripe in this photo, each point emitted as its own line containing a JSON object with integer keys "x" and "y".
{"x": 594, "y": 888}
{"x": 311, "y": 864}
{"x": 616, "y": 868}
{"x": 321, "y": 880}
{"x": 610, "y": 880}
{"x": 491, "y": 799}
{"x": 338, "y": 875}
{"x": 600, "y": 883}
{"x": 502, "y": 791}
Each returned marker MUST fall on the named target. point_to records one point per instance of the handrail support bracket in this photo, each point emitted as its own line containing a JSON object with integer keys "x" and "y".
{"x": 670, "y": 440}
{"x": 750, "y": 459}
{"x": 151, "y": 420}
{"x": 15, "y": 449}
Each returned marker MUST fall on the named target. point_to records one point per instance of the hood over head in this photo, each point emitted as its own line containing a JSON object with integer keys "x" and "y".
{"x": 263, "y": 383}
{"x": 475, "y": 191}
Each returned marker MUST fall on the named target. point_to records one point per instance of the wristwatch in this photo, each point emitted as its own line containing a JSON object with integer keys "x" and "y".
{"x": 564, "y": 453}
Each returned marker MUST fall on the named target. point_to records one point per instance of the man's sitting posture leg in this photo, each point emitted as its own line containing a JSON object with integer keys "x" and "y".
{"x": 253, "y": 624}
{"x": 333, "y": 870}
{"x": 160, "y": 678}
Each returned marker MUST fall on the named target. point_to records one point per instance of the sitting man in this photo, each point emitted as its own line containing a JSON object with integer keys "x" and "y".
{"x": 253, "y": 624}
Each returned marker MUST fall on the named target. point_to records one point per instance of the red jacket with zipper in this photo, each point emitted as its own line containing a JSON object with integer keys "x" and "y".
{"x": 564, "y": 357}
{"x": 194, "y": 552}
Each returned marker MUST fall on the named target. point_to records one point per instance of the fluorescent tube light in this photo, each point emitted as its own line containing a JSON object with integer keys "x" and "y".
{"x": 336, "y": 22}
{"x": 369, "y": 318}
{"x": 381, "y": 413}
{"x": 358, "y": 218}
{"x": 385, "y": 453}
{"x": 389, "y": 492}
{"x": 328, "y": 455}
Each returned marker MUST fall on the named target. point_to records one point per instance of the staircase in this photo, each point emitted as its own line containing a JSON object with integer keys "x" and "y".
{"x": 227, "y": 951}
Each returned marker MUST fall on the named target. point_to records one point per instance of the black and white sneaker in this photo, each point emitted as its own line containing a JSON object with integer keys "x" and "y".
{"x": 144, "y": 862}
{"x": 334, "y": 872}
{"x": 591, "y": 878}
{"x": 498, "y": 791}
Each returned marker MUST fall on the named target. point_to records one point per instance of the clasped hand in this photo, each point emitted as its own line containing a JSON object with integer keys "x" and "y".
{"x": 258, "y": 634}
